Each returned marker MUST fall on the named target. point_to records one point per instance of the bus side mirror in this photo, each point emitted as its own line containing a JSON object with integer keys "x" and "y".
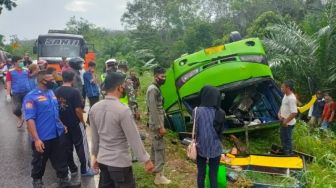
{"x": 86, "y": 49}
{"x": 34, "y": 49}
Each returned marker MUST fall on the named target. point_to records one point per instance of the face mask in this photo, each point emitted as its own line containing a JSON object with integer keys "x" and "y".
{"x": 160, "y": 82}
{"x": 21, "y": 65}
{"x": 49, "y": 84}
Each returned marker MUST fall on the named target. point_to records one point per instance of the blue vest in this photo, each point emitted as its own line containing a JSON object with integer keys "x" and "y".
{"x": 20, "y": 81}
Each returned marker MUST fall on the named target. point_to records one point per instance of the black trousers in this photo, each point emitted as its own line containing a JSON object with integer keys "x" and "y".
{"x": 213, "y": 171}
{"x": 17, "y": 103}
{"x": 286, "y": 138}
{"x": 93, "y": 100}
{"x": 115, "y": 177}
{"x": 73, "y": 138}
{"x": 84, "y": 96}
{"x": 54, "y": 151}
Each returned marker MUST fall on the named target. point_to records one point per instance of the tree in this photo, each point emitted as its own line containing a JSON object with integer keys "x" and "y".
{"x": 306, "y": 57}
{"x": 292, "y": 54}
{"x": 259, "y": 25}
{"x": 8, "y": 4}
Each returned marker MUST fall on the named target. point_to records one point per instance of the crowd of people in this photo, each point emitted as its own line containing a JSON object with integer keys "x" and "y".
{"x": 54, "y": 114}
{"x": 322, "y": 113}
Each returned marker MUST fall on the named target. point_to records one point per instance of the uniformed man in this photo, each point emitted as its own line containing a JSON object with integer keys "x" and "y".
{"x": 156, "y": 124}
{"x": 17, "y": 81}
{"x": 111, "y": 65}
{"x": 130, "y": 98}
{"x": 46, "y": 131}
{"x": 114, "y": 131}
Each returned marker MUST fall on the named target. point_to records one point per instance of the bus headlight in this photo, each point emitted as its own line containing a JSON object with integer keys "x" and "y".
{"x": 182, "y": 80}
{"x": 254, "y": 59}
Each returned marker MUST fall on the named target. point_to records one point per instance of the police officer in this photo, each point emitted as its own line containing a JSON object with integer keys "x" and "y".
{"x": 111, "y": 65}
{"x": 46, "y": 131}
{"x": 156, "y": 124}
{"x": 17, "y": 81}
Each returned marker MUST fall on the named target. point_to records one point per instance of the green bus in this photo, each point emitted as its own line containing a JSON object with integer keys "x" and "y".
{"x": 250, "y": 96}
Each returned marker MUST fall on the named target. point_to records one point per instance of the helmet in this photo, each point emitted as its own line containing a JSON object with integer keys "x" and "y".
{"x": 42, "y": 64}
{"x": 123, "y": 66}
{"x": 76, "y": 63}
{"x": 111, "y": 61}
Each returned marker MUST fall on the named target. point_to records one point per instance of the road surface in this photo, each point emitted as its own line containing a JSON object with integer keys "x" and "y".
{"x": 15, "y": 153}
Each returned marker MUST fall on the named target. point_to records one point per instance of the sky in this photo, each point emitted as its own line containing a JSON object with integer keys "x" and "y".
{"x": 33, "y": 17}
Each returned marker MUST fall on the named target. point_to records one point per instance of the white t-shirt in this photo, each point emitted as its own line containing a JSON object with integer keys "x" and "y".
{"x": 82, "y": 71}
{"x": 288, "y": 106}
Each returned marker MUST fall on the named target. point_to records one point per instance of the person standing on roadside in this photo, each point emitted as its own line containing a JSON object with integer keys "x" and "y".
{"x": 316, "y": 117}
{"x": 287, "y": 114}
{"x": 111, "y": 65}
{"x": 154, "y": 102}
{"x": 136, "y": 82}
{"x": 130, "y": 98}
{"x": 76, "y": 65}
{"x": 209, "y": 121}
{"x": 90, "y": 84}
{"x": 52, "y": 71}
{"x": 71, "y": 114}
{"x": 46, "y": 131}
{"x": 328, "y": 111}
{"x": 17, "y": 81}
{"x": 33, "y": 70}
{"x": 63, "y": 63}
{"x": 26, "y": 60}
{"x": 113, "y": 132}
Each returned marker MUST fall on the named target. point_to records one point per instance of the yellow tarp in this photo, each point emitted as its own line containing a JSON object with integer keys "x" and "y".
{"x": 266, "y": 161}
{"x": 308, "y": 105}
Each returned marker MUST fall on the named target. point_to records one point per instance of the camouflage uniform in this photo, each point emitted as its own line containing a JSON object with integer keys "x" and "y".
{"x": 130, "y": 98}
{"x": 131, "y": 95}
{"x": 156, "y": 121}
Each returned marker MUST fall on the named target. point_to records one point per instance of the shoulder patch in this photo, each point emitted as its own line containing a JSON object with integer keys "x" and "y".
{"x": 41, "y": 98}
{"x": 29, "y": 105}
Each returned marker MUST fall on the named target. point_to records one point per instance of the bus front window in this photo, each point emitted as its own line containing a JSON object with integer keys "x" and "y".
{"x": 60, "y": 51}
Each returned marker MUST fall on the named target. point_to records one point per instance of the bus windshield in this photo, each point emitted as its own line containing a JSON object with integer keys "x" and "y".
{"x": 57, "y": 47}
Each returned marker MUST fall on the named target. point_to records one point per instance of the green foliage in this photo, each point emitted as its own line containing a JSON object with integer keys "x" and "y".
{"x": 307, "y": 57}
{"x": 259, "y": 25}
{"x": 24, "y": 46}
{"x": 8, "y": 4}
{"x": 291, "y": 54}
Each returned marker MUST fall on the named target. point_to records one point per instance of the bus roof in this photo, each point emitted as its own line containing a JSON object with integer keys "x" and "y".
{"x": 61, "y": 35}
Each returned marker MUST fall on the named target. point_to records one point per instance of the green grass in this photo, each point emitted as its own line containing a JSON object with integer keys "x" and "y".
{"x": 322, "y": 145}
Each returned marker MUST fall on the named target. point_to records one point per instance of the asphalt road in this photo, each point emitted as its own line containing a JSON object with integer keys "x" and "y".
{"x": 15, "y": 153}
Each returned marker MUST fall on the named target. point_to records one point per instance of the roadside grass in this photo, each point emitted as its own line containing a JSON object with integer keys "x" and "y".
{"x": 320, "y": 173}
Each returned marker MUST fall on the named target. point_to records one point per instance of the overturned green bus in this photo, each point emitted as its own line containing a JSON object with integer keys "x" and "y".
{"x": 250, "y": 96}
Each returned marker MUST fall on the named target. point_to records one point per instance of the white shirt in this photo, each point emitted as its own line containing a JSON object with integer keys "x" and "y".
{"x": 82, "y": 71}
{"x": 288, "y": 106}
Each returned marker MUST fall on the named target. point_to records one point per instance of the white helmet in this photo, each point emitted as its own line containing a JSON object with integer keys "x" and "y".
{"x": 113, "y": 61}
